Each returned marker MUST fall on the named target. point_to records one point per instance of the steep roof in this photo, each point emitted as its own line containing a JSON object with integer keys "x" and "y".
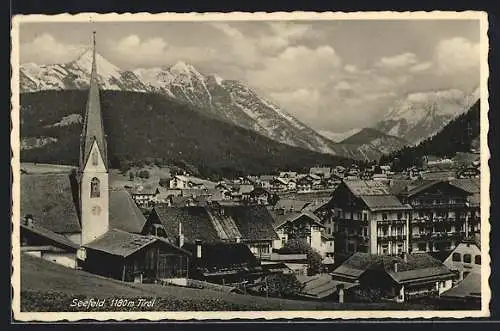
{"x": 50, "y": 236}
{"x": 93, "y": 128}
{"x": 51, "y": 199}
{"x": 196, "y": 223}
{"x": 124, "y": 213}
{"x": 254, "y": 222}
{"x": 122, "y": 243}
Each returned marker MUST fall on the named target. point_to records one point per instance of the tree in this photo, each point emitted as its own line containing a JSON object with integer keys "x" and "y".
{"x": 143, "y": 174}
{"x": 273, "y": 199}
{"x": 281, "y": 285}
{"x": 164, "y": 182}
{"x": 314, "y": 260}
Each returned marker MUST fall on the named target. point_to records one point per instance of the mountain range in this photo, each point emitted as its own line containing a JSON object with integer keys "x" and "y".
{"x": 227, "y": 100}
{"x": 421, "y": 115}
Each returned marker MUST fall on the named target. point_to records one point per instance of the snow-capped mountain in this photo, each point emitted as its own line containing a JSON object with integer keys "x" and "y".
{"x": 227, "y": 100}
{"x": 76, "y": 75}
{"x": 423, "y": 114}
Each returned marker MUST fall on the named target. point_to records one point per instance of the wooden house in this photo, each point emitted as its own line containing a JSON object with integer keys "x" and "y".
{"x": 132, "y": 257}
{"x": 45, "y": 244}
{"x": 398, "y": 278}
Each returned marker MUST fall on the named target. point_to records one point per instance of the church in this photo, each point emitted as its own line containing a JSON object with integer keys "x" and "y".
{"x": 76, "y": 220}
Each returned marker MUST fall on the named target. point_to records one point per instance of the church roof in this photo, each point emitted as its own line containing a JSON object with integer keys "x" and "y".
{"x": 93, "y": 129}
{"x": 51, "y": 200}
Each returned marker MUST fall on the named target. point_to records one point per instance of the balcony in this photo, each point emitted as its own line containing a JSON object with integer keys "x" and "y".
{"x": 386, "y": 238}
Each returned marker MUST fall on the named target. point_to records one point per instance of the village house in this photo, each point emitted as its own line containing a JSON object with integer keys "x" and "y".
{"x": 223, "y": 263}
{"x": 217, "y": 222}
{"x": 323, "y": 172}
{"x": 265, "y": 181}
{"x": 439, "y": 215}
{"x": 465, "y": 258}
{"x": 144, "y": 195}
{"x": 399, "y": 278}
{"x": 368, "y": 218}
{"x": 306, "y": 226}
{"x": 132, "y": 257}
{"x": 45, "y": 244}
{"x": 190, "y": 182}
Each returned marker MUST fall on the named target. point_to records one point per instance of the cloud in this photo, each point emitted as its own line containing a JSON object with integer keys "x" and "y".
{"x": 457, "y": 55}
{"x": 397, "y": 61}
{"x": 421, "y": 67}
{"x": 307, "y": 100}
{"x": 351, "y": 68}
{"x": 133, "y": 46}
{"x": 343, "y": 85}
{"x": 295, "y": 67}
{"x": 45, "y": 49}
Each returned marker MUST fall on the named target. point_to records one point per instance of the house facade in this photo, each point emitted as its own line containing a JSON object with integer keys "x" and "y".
{"x": 398, "y": 278}
{"x": 439, "y": 216}
{"x": 367, "y": 217}
{"x": 465, "y": 259}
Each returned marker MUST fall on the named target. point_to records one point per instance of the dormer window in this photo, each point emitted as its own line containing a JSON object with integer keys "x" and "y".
{"x": 95, "y": 190}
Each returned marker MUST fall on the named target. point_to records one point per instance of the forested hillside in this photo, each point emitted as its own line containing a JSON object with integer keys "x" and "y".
{"x": 460, "y": 135}
{"x": 151, "y": 128}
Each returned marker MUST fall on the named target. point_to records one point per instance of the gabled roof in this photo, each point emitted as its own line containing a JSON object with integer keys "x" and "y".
{"x": 51, "y": 199}
{"x": 93, "y": 129}
{"x": 320, "y": 286}
{"x": 367, "y": 187}
{"x": 292, "y": 204}
{"x": 196, "y": 223}
{"x": 122, "y": 243}
{"x": 383, "y": 202}
{"x": 315, "y": 220}
{"x": 50, "y": 236}
{"x": 253, "y": 221}
{"x": 471, "y": 185}
{"x": 124, "y": 213}
{"x": 416, "y": 267}
{"x": 428, "y": 184}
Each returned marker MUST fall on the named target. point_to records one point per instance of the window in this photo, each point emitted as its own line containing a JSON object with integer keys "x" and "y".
{"x": 477, "y": 259}
{"x": 400, "y": 216}
{"x": 365, "y": 217}
{"x": 420, "y": 214}
{"x": 422, "y": 247}
{"x": 95, "y": 158}
{"x": 456, "y": 257}
{"x": 384, "y": 216}
{"x": 467, "y": 258}
{"x": 95, "y": 191}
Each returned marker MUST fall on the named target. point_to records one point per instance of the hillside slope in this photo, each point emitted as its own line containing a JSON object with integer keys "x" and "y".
{"x": 459, "y": 135}
{"x": 149, "y": 127}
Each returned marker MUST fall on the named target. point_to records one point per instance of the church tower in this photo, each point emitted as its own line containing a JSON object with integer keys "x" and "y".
{"x": 93, "y": 169}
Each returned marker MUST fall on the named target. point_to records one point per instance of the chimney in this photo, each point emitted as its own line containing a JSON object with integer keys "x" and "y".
{"x": 405, "y": 257}
{"x": 340, "y": 291}
{"x": 28, "y": 220}
{"x": 198, "y": 248}
{"x": 395, "y": 266}
{"x": 181, "y": 235}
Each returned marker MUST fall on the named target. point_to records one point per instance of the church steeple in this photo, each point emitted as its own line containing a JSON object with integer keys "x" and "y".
{"x": 93, "y": 129}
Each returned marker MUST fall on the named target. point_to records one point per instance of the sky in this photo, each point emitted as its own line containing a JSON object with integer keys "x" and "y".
{"x": 333, "y": 75}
